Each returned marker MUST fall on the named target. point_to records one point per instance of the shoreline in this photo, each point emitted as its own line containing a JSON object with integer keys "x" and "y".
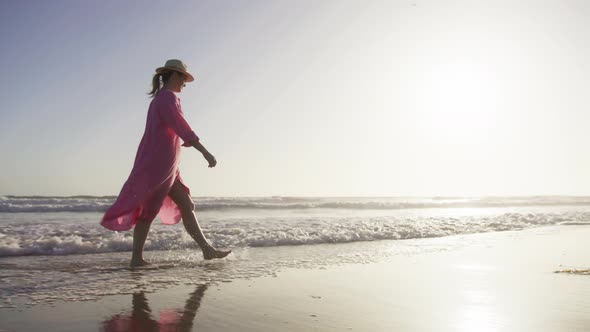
{"x": 477, "y": 282}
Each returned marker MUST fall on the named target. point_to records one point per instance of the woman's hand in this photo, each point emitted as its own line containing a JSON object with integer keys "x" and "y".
{"x": 210, "y": 159}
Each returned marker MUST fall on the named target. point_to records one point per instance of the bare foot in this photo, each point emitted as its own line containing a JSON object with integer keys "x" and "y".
{"x": 212, "y": 253}
{"x": 139, "y": 262}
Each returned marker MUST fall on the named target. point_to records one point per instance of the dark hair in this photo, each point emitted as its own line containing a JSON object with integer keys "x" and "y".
{"x": 158, "y": 81}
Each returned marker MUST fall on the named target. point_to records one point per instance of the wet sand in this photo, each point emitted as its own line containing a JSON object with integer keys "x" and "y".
{"x": 503, "y": 281}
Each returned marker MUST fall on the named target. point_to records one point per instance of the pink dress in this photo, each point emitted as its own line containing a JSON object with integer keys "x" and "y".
{"x": 145, "y": 194}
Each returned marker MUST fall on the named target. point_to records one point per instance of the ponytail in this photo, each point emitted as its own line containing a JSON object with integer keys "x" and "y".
{"x": 158, "y": 82}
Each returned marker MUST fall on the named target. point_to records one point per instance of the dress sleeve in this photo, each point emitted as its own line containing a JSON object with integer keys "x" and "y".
{"x": 172, "y": 116}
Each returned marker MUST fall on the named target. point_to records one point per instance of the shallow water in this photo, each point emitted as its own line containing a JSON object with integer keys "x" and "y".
{"x": 50, "y": 256}
{"x": 46, "y": 279}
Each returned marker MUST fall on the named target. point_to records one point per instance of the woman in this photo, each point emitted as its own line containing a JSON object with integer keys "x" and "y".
{"x": 154, "y": 186}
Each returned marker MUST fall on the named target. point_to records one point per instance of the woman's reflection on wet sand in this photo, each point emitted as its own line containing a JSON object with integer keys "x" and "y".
{"x": 141, "y": 318}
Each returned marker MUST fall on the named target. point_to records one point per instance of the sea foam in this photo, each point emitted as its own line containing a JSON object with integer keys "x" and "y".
{"x": 18, "y": 239}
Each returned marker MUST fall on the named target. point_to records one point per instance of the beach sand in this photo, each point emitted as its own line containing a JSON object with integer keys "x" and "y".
{"x": 502, "y": 281}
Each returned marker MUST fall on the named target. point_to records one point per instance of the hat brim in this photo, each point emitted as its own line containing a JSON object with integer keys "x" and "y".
{"x": 163, "y": 69}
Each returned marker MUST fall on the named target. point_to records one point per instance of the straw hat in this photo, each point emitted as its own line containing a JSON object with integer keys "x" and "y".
{"x": 176, "y": 65}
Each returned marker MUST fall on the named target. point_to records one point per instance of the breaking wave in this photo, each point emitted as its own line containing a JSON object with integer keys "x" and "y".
{"x": 102, "y": 203}
{"x": 18, "y": 239}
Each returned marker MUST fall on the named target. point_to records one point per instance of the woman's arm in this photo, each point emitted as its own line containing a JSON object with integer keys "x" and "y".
{"x": 208, "y": 156}
{"x": 171, "y": 114}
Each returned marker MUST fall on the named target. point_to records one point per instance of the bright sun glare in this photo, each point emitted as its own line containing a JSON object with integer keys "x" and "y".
{"x": 459, "y": 101}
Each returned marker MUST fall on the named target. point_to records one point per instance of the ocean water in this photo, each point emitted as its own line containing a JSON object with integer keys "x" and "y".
{"x": 53, "y": 248}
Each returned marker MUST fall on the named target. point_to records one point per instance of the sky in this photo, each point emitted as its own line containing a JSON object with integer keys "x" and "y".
{"x": 303, "y": 98}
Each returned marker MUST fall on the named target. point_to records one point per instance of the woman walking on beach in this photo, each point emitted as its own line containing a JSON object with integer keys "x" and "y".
{"x": 154, "y": 187}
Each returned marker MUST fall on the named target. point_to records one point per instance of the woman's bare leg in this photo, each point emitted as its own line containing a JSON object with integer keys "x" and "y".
{"x": 139, "y": 236}
{"x": 189, "y": 219}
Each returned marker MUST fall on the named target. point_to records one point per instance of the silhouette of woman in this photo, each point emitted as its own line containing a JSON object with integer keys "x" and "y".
{"x": 155, "y": 187}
